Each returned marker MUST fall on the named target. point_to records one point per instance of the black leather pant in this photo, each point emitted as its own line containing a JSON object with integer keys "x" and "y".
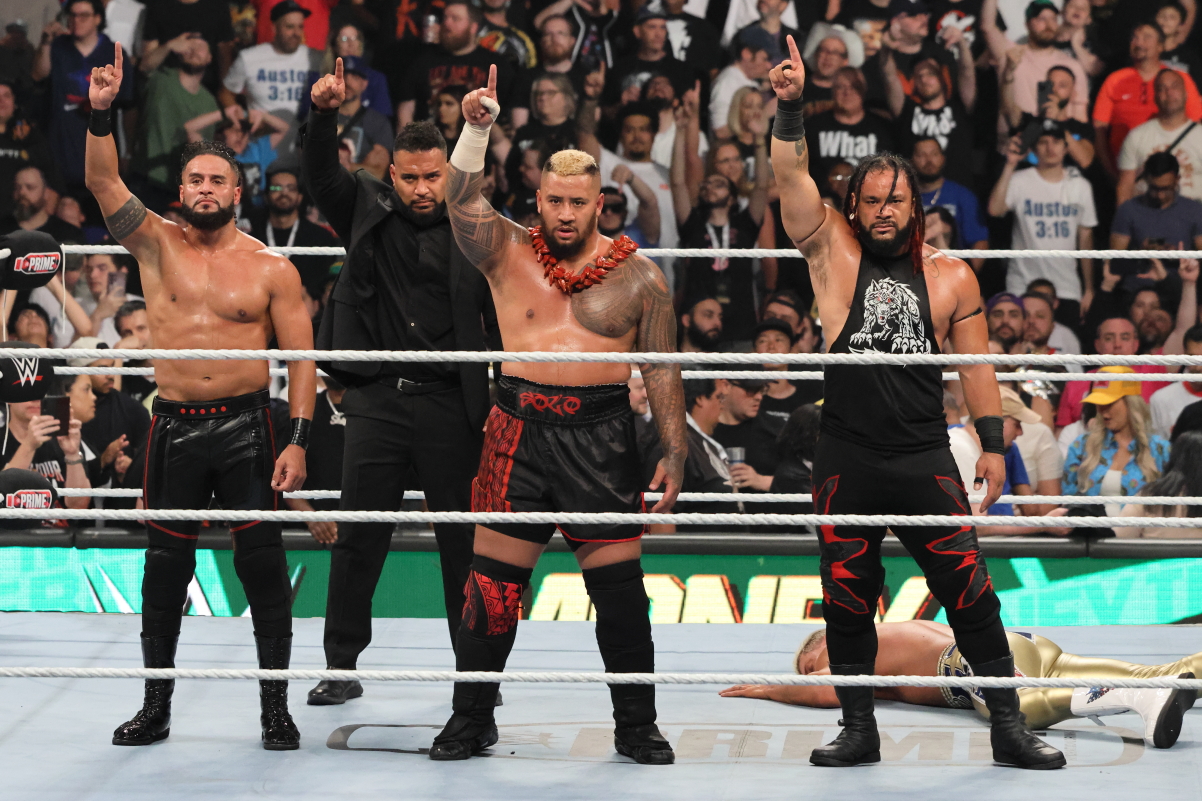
{"x": 227, "y": 453}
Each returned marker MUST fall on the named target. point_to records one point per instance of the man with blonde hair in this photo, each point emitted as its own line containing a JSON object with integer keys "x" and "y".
{"x": 561, "y": 437}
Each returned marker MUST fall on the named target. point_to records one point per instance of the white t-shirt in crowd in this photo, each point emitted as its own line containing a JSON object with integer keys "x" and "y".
{"x": 1064, "y": 340}
{"x": 272, "y": 81}
{"x": 729, "y": 81}
{"x": 123, "y": 23}
{"x": 744, "y": 12}
{"x": 966, "y": 452}
{"x": 1151, "y": 137}
{"x": 655, "y": 177}
{"x": 1041, "y": 455}
{"x": 665, "y": 144}
{"x": 62, "y": 333}
{"x": 1046, "y": 217}
{"x": 1167, "y": 404}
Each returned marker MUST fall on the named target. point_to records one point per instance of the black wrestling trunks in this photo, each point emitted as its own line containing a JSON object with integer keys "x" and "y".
{"x": 221, "y": 448}
{"x": 560, "y": 449}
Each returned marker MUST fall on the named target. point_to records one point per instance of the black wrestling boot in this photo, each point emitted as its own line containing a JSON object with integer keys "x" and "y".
{"x": 858, "y": 743}
{"x": 472, "y": 728}
{"x": 279, "y": 732}
{"x": 1013, "y": 743}
{"x": 635, "y": 732}
{"x": 333, "y": 693}
{"x": 153, "y": 721}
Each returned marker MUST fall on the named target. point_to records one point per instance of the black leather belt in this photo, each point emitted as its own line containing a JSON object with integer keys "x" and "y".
{"x": 409, "y": 387}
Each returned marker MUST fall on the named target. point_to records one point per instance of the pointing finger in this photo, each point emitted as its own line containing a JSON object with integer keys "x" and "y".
{"x": 492, "y": 79}
{"x": 117, "y": 58}
{"x": 794, "y": 56}
{"x": 338, "y": 69}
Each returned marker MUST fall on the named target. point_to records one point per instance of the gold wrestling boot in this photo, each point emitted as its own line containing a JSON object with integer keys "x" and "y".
{"x": 1012, "y": 741}
{"x": 859, "y": 743}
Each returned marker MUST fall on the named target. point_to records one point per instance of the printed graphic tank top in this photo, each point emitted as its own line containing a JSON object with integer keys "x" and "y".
{"x": 892, "y": 409}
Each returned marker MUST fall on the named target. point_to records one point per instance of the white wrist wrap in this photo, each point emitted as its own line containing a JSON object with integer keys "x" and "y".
{"x": 473, "y": 141}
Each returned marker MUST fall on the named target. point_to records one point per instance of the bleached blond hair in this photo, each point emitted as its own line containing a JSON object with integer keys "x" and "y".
{"x": 571, "y": 162}
{"x": 815, "y": 641}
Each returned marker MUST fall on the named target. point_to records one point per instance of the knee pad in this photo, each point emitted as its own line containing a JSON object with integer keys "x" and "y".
{"x": 263, "y": 570}
{"x": 963, "y": 587}
{"x": 493, "y": 597}
{"x": 621, "y": 604}
{"x": 165, "y": 582}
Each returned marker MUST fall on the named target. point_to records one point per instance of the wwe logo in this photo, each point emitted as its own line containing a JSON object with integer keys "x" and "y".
{"x": 27, "y": 371}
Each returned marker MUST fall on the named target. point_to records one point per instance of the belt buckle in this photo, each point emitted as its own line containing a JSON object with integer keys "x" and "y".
{"x": 402, "y": 383}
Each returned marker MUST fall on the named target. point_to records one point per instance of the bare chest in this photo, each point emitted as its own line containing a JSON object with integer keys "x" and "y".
{"x": 230, "y": 288}
{"x": 529, "y": 308}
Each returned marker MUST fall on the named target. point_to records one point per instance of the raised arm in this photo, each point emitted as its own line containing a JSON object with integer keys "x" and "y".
{"x": 969, "y": 333}
{"x": 802, "y": 210}
{"x": 480, "y": 231}
{"x": 329, "y": 184}
{"x": 665, "y": 391}
{"x": 126, "y": 218}
{"x": 1187, "y": 309}
{"x": 294, "y": 331}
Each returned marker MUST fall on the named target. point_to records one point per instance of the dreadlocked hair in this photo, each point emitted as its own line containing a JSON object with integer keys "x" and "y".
{"x": 889, "y": 162}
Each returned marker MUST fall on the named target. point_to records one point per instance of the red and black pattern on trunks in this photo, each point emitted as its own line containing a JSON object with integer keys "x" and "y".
{"x": 501, "y": 439}
{"x": 961, "y": 545}
{"x": 844, "y": 550}
{"x": 491, "y": 606}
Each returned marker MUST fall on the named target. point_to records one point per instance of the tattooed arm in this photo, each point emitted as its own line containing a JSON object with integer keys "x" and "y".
{"x": 665, "y": 392}
{"x": 801, "y": 206}
{"x": 127, "y": 219}
{"x": 480, "y": 231}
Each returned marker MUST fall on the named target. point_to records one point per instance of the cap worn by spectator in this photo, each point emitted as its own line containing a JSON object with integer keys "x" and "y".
{"x": 751, "y": 385}
{"x": 911, "y": 8}
{"x": 88, "y": 343}
{"x": 1003, "y": 297}
{"x": 355, "y": 65}
{"x": 649, "y": 11}
{"x": 1012, "y": 406}
{"x": 1037, "y": 7}
{"x": 287, "y": 7}
{"x": 24, "y": 489}
{"x": 1104, "y": 396}
{"x": 774, "y": 324}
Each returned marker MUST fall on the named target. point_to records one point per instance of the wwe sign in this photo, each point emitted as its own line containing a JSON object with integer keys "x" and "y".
{"x": 27, "y": 371}
{"x": 29, "y": 499}
{"x": 37, "y": 263}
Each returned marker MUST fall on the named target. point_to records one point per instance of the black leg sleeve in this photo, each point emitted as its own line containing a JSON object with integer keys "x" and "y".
{"x": 165, "y": 588}
{"x": 624, "y": 636}
{"x": 493, "y": 597}
{"x": 262, "y": 568}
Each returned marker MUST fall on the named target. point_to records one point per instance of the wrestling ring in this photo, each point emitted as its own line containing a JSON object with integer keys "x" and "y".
{"x": 555, "y": 728}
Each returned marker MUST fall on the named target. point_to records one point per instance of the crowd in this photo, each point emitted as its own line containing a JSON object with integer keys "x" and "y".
{"x": 1032, "y": 124}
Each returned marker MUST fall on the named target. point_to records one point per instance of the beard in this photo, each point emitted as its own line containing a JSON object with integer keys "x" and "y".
{"x": 887, "y": 248}
{"x": 927, "y": 177}
{"x": 24, "y": 210}
{"x": 192, "y": 69}
{"x": 453, "y": 43}
{"x": 705, "y": 340}
{"x": 611, "y": 232}
{"x": 1007, "y": 336}
{"x": 281, "y": 206}
{"x": 422, "y": 218}
{"x": 207, "y": 220}
{"x": 562, "y": 250}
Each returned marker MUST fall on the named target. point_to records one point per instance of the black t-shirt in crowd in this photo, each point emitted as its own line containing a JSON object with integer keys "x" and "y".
{"x": 167, "y": 19}
{"x": 523, "y": 85}
{"x": 704, "y": 471}
{"x": 62, "y": 231}
{"x": 734, "y": 284}
{"x": 854, "y": 13}
{"x": 314, "y": 270}
{"x": 557, "y": 137}
{"x": 22, "y": 145}
{"x": 1185, "y": 59}
{"x": 138, "y": 387}
{"x": 435, "y": 69}
{"x": 324, "y": 459}
{"x": 757, "y": 438}
{"x": 117, "y": 414}
{"x": 904, "y": 63}
{"x": 48, "y": 460}
{"x": 831, "y": 141}
{"x": 679, "y": 73}
{"x": 694, "y": 41}
{"x": 774, "y": 412}
{"x": 950, "y": 125}
{"x": 817, "y": 99}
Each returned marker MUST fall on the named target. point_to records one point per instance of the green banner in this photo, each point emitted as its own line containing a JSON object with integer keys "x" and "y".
{"x": 688, "y": 589}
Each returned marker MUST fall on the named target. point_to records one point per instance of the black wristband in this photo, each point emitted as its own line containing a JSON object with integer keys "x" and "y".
{"x": 100, "y": 123}
{"x": 300, "y": 432}
{"x": 789, "y": 125}
{"x": 989, "y": 431}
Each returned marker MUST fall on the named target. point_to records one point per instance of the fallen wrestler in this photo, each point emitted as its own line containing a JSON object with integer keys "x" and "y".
{"x": 561, "y": 437}
{"x": 208, "y": 285}
{"x": 927, "y": 648}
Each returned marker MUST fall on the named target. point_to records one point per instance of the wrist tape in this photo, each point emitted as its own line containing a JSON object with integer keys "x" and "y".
{"x": 100, "y": 122}
{"x": 300, "y": 432}
{"x": 789, "y": 125}
{"x": 473, "y": 141}
{"x": 989, "y": 430}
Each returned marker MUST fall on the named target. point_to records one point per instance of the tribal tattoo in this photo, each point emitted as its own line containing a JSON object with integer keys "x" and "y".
{"x": 480, "y": 231}
{"x": 124, "y": 221}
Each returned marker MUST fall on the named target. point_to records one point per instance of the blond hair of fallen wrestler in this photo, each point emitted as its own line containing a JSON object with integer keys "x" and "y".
{"x": 927, "y": 648}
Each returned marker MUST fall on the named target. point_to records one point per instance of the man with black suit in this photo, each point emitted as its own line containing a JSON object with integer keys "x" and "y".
{"x": 404, "y": 285}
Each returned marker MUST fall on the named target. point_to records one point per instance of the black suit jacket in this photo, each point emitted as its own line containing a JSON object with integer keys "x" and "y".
{"x": 354, "y": 205}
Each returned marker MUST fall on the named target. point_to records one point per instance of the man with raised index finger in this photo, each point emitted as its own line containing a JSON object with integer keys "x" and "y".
{"x": 405, "y": 285}
{"x": 561, "y": 437}
{"x": 883, "y": 447}
{"x": 207, "y": 285}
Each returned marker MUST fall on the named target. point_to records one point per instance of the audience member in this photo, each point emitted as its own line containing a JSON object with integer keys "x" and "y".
{"x": 284, "y": 226}
{"x": 749, "y": 68}
{"x": 846, "y": 133}
{"x": 739, "y": 426}
{"x": 652, "y": 56}
{"x": 119, "y": 423}
{"x": 1063, "y": 338}
{"x": 637, "y": 123}
{"x": 1171, "y": 18}
{"x": 1006, "y": 318}
{"x": 1053, "y": 210}
{"x": 21, "y": 145}
{"x": 592, "y": 25}
{"x": 364, "y": 133}
{"x": 781, "y": 396}
{"x": 1036, "y": 444}
{"x": 1054, "y": 105}
{"x": 701, "y": 326}
{"x": 170, "y": 23}
{"x": 1173, "y": 130}
{"x": 456, "y": 60}
{"x": 929, "y": 110}
{"x": 893, "y": 73}
{"x": 937, "y": 190}
{"x": 30, "y": 323}
{"x": 133, "y": 325}
{"x": 1167, "y": 404}
{"x": 797, "y": 441}
{"x": 694, "y": 40}
{"x": 767, "y": 32}
{"x": 828, "y": 49}
{"x": 31, "y": 209}
{"x": 1159, "y": 218}
{"x": 1127, "y": 97}
{"x": 30, "y": 440}
{"x": 1116, "y": 336}
{"x": 1119, "y": 453}
{"x": 62, "y": 328}
{"x": 272, "y": 76}
{"x": 498, "y": 34}
{"x": 1182, "y": 477}
{"x": 107, "y": 276}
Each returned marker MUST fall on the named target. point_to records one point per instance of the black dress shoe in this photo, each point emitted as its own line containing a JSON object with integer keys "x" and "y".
{"x": 644, "y": 744}
{"x": 332, "y": 693}
{"x": 463, "y": 737}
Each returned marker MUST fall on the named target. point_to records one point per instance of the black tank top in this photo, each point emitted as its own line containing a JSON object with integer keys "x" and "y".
{"x": 893, "y": 409}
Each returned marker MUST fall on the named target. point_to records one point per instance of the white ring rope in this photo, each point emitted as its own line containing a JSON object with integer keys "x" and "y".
{"x": 598, "y": 518}
{"x": 568, "y": 677}
{"x": 762, "y": 253}
{"x": 706, "y": 497}
{"x": 605, "y": 357}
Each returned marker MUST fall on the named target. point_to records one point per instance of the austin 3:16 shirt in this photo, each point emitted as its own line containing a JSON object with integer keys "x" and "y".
{"x": 1046, "y": 217}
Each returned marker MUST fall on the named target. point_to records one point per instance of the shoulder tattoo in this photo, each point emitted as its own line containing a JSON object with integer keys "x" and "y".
{"x": 127, "y": 219}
